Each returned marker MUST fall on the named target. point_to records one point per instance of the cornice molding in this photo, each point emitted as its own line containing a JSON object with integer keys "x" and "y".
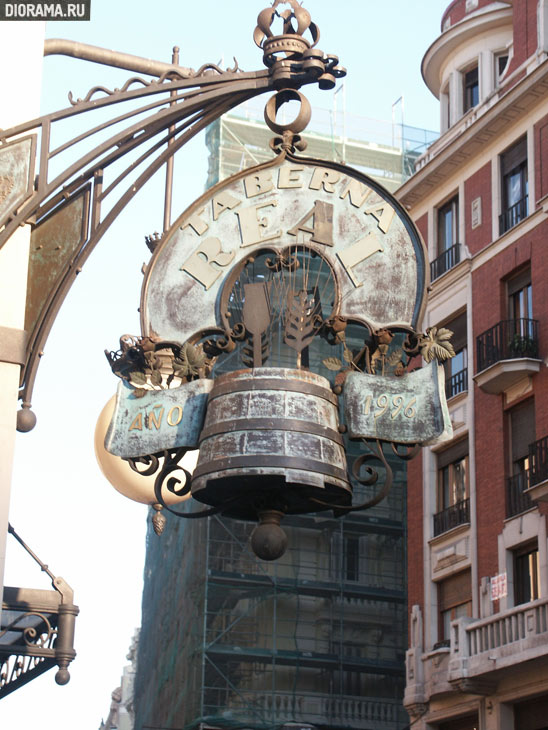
{"x": 453, "y": 38}
{"x": 470, "y": 136}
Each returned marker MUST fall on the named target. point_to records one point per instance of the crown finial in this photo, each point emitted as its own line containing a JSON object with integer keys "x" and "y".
{"x": 296, "y": 21}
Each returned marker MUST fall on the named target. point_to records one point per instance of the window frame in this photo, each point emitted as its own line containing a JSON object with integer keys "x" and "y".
{"x": 454, "y": 601}
{"x": 499, "y": 73}
{"x": 459, "y": 326}
{"x": 450, "y": 207}
{"x": 456, "y": 454}
{"x": 470, "y": 88}
{"x": 521, "y": 595}
{"x": 514, "y": 165}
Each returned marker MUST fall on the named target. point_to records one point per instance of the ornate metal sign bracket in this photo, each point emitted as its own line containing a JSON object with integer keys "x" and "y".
{"x": 37, "y": 630}
{"x": 266, "y": 347}
{"x": 175, "y": 107}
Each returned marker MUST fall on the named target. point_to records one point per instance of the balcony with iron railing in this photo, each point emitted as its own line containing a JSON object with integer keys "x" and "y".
{"x": 506, "y": 353}
{"x": 513, "y": 215}
{"x": 456, "y": 383}
{"x": 453, "y": 516}
{"x": 445, "y": 261}
{"x": 517, "y": 499}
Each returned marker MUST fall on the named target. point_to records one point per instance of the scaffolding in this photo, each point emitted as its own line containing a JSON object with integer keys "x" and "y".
{"x": 385, "y": 151}
{"x": 318, "y": 637}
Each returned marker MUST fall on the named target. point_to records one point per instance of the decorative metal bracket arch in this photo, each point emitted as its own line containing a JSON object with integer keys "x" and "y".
{"x": 157, "y": 119}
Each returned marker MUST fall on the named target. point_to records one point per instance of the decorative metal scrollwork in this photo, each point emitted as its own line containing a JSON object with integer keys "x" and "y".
{"x": 33, "y": 636}
{"x": 168, "y": 463}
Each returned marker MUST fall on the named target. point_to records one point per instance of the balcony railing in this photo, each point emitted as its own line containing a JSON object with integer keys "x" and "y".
{"x": 516, "y": 499}
{"x": 507, "y": 340}
{"x": 455, "y": 515}
{"x": 457, "y": 383}
{"x": 445, "y": 261}
{"x": 538, "y": 458}
{"x": 513, "y": 215}
{"x": 339, "y": 710}
{"x": 482, "y": 648}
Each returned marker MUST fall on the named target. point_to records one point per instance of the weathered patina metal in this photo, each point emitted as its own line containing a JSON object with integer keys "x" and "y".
{"x": 16, "y": 174}
{"x": 269, "y": 270}
{"x": 365, "y": 236}
{"x": 54, "y": 245}
{"x": 271, "y": 439}
{"x": 159, "y": 420}
{"x": 157, "y": 118}
{"x": 409, "y": 409}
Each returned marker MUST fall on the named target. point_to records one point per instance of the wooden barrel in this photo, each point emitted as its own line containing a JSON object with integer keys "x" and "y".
{"x": 271, "y": 440}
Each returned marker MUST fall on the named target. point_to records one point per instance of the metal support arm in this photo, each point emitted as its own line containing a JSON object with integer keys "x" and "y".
{"x": 177, "y": 105}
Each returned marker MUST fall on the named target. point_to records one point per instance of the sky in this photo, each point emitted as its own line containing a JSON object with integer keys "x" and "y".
{"x": 61, "y": 504}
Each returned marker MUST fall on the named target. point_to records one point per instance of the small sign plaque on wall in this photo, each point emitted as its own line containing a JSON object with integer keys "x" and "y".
{"x": 499, "y": 586}
{"x": 476, "y": 212}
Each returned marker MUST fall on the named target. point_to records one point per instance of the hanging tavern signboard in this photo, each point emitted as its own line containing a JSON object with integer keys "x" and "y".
{"x": 365, "y": 237}
{"x": 277, "y": 291}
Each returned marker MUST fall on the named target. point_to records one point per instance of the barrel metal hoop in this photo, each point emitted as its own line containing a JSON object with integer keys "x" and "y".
{"x": 297, "y": 386}
{"x": 269, "y": 460}
{"x": 271, "y": 424}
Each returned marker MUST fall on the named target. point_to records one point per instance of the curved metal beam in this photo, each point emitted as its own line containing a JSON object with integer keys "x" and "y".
{"x": 106, "y": 57}
{"x": 177, "y": 105}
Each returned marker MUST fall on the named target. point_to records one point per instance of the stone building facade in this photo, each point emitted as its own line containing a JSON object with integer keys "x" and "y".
{"x": 478, "y": 557}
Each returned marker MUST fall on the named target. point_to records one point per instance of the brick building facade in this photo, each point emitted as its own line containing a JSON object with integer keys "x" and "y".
{"x": 478, "y": 556}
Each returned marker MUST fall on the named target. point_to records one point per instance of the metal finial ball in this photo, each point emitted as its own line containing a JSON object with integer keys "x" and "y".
{"x": 26, "y": 419}
{"x": 268, "y": 540}
{"x": 62, "y": 676}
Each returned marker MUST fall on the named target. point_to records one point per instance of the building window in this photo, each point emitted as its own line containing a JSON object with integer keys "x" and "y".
{"x": 520, "y": 298}
{"x": 470, "y": 722}
{"x": 448, "y": 224}
{"x": 526, "y": 574}
{"x": 501, "y": 61}
{"x": 448, "y": 247}
{"x": 514, "y": 192}
{"x": 456, "y": 368}
{"x": 452, "y": 488}
{"x": 522, "y": 334}
{"x": 522, "y": 434}
{"x": 470, "y": 89}
{"x": 351, "y": 558}
{"x": 454, "y": 601}
{"x": 531, "y": 714}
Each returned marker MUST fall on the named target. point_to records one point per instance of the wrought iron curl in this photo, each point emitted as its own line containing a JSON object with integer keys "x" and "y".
{"x": 376, "y": 454}
{"x": 151, "y": 461}
{"x": 172, "y": 457}
{"x": 412, "y": 450}
{"x": 30, "y": 633}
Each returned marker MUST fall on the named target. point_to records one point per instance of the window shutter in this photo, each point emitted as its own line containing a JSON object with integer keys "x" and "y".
{"x": 522, "y": 425}
{"x": 514, "y": 156}
{"x": 453, "y": 453}
{"x": 455, "y": 590}
{"x": 519, "y": 281}
{"x": 458, "y": 328}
